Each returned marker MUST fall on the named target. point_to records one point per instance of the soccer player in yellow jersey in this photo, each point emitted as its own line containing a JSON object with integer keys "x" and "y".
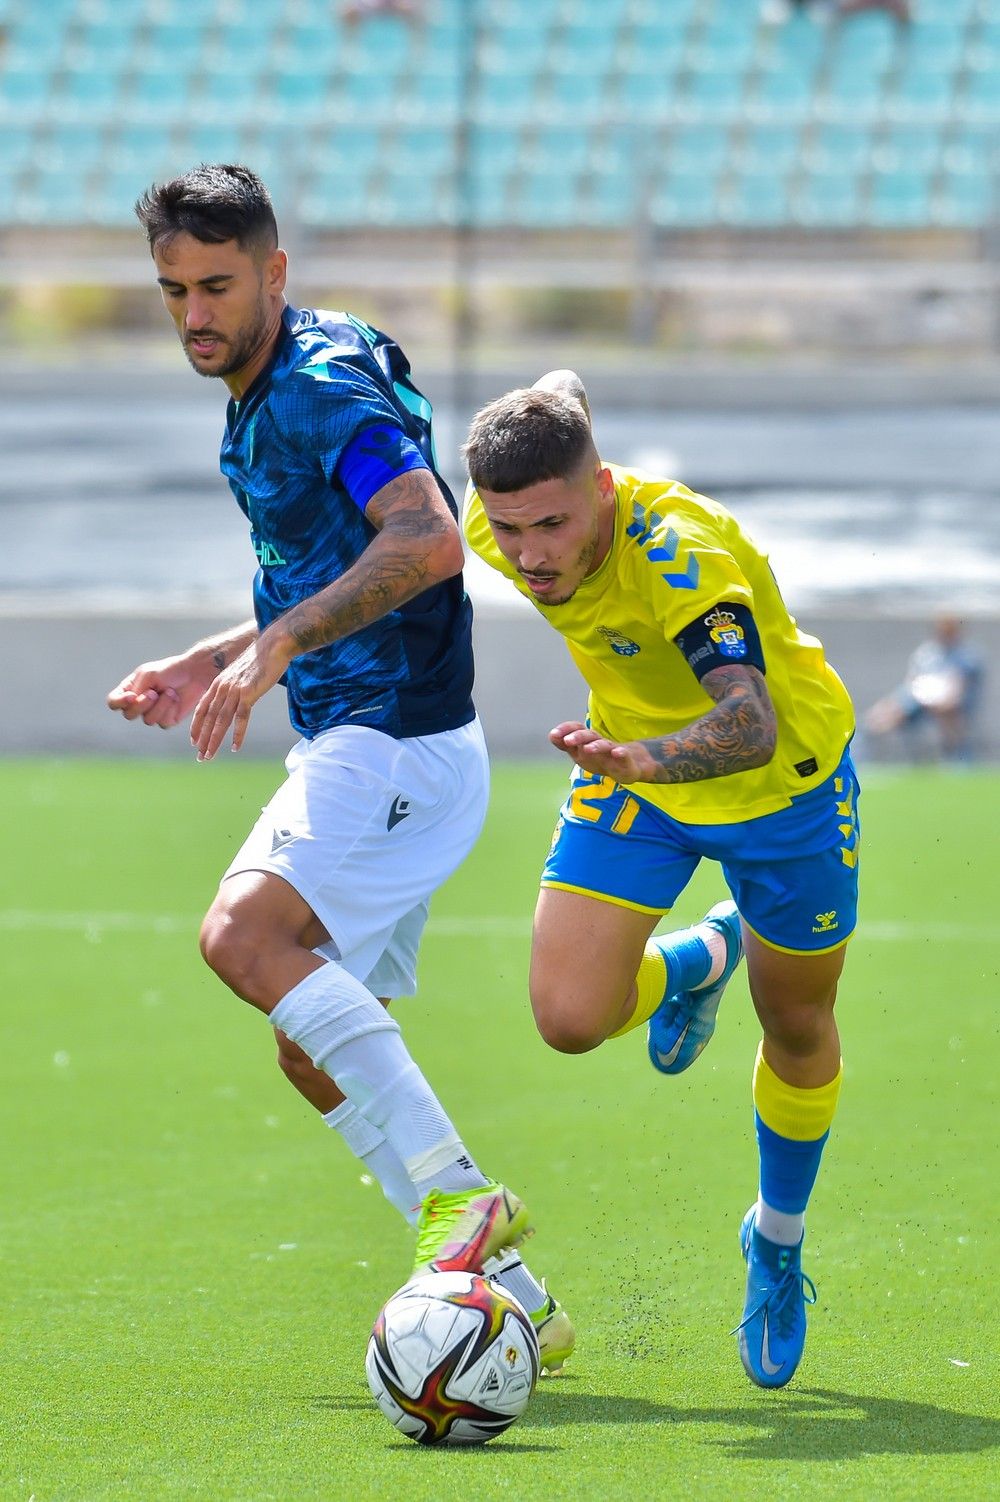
{"x": 715, "y": 728}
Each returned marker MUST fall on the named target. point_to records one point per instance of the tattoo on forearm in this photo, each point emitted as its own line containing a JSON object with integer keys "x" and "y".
{"x": 738, "y": 734}
{"x": 394, "y": 568}
{"x": 218, "y": 659}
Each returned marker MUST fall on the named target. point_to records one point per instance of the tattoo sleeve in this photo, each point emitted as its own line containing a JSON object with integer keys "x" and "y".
{"x": 417, "y": 546}
{"x": 741, "y": 732}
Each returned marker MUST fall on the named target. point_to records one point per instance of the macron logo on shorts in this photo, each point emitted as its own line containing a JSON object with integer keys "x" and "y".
{"x": 398, "y": 812}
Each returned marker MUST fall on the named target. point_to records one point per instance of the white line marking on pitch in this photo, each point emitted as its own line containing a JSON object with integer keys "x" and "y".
{"x": 26, "y": 920}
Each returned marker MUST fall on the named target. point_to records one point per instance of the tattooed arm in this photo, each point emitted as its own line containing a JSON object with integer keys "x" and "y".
{"x": 740, "y": 732}
{"x": 417, "y": 545}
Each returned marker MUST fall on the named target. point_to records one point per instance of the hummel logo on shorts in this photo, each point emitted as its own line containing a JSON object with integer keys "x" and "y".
{"x": 399, "y": 810}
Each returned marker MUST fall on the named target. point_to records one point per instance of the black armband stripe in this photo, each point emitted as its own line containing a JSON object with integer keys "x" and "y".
{"x": 725, "y": 635}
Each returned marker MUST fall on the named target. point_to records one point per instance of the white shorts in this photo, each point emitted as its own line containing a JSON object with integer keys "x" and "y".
{"x": 366, "y": 828}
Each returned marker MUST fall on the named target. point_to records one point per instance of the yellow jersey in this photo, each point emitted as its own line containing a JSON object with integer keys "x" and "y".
{"x": 674, "y": 556}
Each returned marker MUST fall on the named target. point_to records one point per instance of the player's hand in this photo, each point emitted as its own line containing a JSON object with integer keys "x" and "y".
{"x": 630, "y": 762}
{"x": 159, "y": 693}
{"x": 230, "y": 699}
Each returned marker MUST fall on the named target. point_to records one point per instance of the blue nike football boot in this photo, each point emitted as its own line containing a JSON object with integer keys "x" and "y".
{"x": 772, "y": 1334}
{"x": 683, "y": 1024}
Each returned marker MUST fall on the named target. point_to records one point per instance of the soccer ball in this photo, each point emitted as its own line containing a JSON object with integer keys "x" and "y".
{"x": 452, "y": 1359}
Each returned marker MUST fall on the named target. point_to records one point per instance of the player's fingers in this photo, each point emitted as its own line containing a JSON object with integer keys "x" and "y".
{"x": 217, "y": 723}
{"x": 559, "y": 732}
{"x": 163, "y": 711}
{"x": 201, "y": 710}
{"x": 240, "y": 723}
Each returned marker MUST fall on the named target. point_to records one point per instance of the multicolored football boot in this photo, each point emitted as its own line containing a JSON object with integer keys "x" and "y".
{"x": 556, "y": 1335}
{"x": 457, "y": 1232}
{"x": 772, "y": 1334}
{"x": 683, "y": 1024}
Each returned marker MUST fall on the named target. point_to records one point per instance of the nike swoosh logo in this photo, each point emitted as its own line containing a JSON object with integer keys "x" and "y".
{"x": 398, "y": 812}
{"x": 669, "y": 1058}
{"x": 767, "y": 1364}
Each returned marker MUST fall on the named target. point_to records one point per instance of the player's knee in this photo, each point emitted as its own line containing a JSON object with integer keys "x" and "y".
{"x": 230, "y": 949}
{"x": 799, "y": 1030}
{"x": 564, "y": 1023}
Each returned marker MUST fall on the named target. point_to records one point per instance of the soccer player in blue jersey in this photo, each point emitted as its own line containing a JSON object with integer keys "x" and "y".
{"x": 716, "y": 729}
{"x": 360, "y": 611}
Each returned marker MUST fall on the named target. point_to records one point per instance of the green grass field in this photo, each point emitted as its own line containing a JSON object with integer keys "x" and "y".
{"x": 191, "y": 1263}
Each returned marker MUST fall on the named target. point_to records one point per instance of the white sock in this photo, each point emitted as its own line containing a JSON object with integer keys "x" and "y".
{"x": 777, "y": 1226}
{"x": 718, "y": 952}
{"x": 370, "y": 1147}
{"x": 347, "y": 1033}
{"x": 510, "y": 1272}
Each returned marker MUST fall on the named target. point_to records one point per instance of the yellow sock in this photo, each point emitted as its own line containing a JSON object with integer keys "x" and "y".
{"x": 650, "y": 984}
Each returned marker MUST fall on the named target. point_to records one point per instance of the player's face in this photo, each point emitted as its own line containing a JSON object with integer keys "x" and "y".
{"x": 225, "y": 303}
{"x": 557, "y": 532}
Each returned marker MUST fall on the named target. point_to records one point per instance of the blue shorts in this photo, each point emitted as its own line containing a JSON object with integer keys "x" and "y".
{"x": 793, "y": 874}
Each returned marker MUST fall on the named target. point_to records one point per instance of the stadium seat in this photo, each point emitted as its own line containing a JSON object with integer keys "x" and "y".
{"x": 900, "y": 197}
{"x": 828, "y": 199}
{"x": 574, "y": 112}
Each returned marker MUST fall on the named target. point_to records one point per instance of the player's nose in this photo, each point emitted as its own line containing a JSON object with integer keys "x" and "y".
{"x": 197, "y": 315}
{"x": 532, "y": 559}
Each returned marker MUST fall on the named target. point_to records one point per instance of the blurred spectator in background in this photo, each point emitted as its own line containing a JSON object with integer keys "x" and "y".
{"x": 898, "y": 8}
{"x": 360, "y": 10}
{"x": 941, "y": 689}
{"x": 780, "y": 10}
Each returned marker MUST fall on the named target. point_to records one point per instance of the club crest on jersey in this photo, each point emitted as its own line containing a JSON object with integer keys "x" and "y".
{"x": 623, "y": 645}
{"x": 726, "y": 634}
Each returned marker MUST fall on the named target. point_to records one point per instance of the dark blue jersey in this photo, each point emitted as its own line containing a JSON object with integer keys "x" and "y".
{"x": 332, "y": 384}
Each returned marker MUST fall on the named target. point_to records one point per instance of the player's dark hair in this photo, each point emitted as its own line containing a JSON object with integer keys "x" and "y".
{"x": 525, "y": 437}
{"x": 214, "y": 203}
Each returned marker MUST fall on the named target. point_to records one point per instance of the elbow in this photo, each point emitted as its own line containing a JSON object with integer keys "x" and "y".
{"x": 448, "y": 556}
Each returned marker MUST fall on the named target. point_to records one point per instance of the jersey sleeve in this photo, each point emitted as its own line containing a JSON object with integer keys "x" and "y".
{"x": 683, "y": 577}
{"x": 327, "y": 402}
{"x": 375, "y": 456}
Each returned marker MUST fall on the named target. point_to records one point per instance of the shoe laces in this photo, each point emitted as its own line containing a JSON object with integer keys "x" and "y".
{"x": 781, "y": 1300}
{"x": 435, "y": 1210}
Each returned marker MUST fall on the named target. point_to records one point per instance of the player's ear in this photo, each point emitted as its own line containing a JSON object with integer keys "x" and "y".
{"x": 605, "y": 481}
{"x": 276, "y": 271}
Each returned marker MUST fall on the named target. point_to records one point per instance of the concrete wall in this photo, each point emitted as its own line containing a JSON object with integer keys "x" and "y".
{"x": 55, "y": 671}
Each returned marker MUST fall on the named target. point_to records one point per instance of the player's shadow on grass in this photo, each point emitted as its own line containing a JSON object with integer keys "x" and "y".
{"x": 804, "y": 1423}
{"x": 347, "y": 1404}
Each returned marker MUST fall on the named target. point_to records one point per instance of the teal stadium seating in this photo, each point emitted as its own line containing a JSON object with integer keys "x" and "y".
{"x": 531, "y": 113}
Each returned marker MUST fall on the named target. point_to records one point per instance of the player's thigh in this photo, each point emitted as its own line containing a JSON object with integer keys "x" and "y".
{"x": 782, "y": 983}
{"x": 584, "y": 956}
{"x": 797, "y": 918}
{"x": 613, "y": 870}
{"x": 365, "y": 828}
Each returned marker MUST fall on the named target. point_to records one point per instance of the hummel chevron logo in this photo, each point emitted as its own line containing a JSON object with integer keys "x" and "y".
{"x": 398, "y": 812}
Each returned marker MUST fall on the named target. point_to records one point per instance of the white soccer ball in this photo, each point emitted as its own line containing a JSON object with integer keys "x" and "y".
{"x": 452, "y": 1359}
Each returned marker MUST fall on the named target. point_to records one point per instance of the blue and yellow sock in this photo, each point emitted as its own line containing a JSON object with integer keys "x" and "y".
{"x": 679, "y": 961}
{"x": 792, "y": 1127}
